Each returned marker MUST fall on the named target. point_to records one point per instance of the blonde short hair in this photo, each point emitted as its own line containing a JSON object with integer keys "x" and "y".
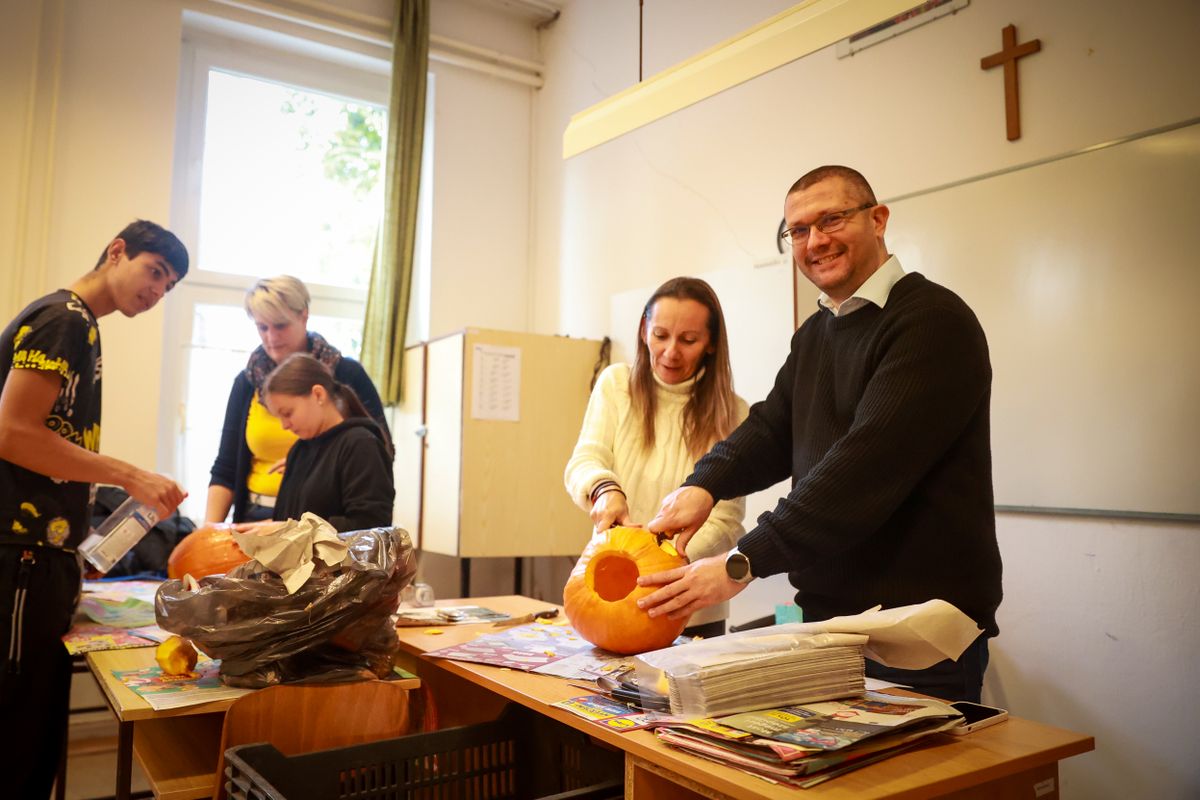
{"x": 277, "y": 299}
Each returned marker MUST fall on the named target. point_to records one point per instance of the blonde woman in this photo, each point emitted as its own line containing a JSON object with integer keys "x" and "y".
{"x": 254, "y": 445}
{"x": 646, "y": 425}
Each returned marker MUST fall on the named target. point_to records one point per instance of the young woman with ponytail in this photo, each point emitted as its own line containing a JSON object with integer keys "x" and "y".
{"x": 341, "y": 467}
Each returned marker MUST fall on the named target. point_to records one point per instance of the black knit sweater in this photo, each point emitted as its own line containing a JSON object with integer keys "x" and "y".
{"x": 880, "y": 418}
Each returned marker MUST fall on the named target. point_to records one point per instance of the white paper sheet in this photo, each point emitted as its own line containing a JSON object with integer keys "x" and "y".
{"x": 496, "y": 383}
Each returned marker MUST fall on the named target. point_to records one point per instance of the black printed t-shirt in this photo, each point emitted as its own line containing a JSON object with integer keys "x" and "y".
{"x": 57, "y": 334}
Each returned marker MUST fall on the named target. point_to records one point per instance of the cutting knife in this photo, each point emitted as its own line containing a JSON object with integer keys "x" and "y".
{"x": 549, "y": 613}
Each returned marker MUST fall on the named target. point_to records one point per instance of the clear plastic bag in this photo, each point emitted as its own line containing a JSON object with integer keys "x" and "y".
{"x": 337, "y": 626}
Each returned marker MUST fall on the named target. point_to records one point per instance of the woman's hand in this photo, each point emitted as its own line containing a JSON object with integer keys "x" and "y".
{"x": 278, "y": 466}
{"x": 257, "y": 528}
{"x": 610, "y": 509}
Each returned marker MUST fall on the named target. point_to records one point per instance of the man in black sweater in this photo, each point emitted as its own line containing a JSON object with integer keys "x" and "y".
{"x": 880, "y": 418}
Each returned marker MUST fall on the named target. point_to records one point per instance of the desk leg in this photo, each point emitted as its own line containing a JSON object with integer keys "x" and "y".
{"x": 124, "y": 760}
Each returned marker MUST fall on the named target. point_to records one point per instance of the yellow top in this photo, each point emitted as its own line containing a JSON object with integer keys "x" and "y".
{"x": 268, "y": 443}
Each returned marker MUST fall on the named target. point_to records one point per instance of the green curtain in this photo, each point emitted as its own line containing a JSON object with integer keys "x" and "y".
{"x": 391, "y": 272}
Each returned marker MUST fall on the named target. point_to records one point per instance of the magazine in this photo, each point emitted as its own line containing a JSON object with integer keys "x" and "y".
{"x": 803, "y": 745}
{"x": 202, "y": 685}
{"x": 446, "y": 615}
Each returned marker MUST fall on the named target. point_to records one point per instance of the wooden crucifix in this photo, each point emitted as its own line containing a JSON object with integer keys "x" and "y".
{"x": 1008, "y": 57}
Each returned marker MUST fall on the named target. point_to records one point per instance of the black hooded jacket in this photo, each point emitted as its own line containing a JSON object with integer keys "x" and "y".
{"x": 343, "y": 476}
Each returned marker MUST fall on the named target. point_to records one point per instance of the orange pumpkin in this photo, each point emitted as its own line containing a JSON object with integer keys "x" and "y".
{"x": 176, "y": 656}
{"x": 210, "y": 550}
{"x": 601, "y": 595}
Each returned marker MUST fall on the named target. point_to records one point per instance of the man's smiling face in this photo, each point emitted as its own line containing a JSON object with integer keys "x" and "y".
{"x": 837, "y": 263}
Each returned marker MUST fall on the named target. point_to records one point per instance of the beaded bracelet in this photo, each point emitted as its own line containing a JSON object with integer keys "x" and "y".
{"x": 606, "y": 490}
{"x": 592, "y": 495}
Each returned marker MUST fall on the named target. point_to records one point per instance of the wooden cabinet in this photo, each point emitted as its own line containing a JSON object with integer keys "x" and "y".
{"x": 487, "y": 425}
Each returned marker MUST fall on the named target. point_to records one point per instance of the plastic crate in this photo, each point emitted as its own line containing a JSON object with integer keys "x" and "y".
{"x": 521, "y": 755}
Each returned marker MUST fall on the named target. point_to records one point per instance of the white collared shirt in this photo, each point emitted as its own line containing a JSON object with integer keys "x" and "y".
{"x": 875, "y": 289}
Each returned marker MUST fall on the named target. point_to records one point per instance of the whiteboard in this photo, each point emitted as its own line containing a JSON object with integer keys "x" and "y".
{"x": 1084, "y": 274}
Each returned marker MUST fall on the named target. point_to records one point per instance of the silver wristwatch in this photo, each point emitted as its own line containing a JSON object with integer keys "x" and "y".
{"x": 737, "y": 566}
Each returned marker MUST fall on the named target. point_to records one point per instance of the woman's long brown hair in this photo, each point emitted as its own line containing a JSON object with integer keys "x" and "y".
{"x": 711, "y": 412}
{"x": 300, "y": 372}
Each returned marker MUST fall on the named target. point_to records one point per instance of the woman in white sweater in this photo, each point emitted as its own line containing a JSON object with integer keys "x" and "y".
{"x": 646, "y": 425}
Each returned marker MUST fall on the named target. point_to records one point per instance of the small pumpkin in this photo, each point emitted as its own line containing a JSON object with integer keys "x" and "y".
{"x": 176, "y": 656}
{"x": 209, "y": 550}
{"x": 601, "y": 594}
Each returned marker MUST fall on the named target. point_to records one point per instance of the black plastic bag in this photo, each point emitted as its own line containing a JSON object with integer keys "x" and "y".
{"x": 337, "y": 626}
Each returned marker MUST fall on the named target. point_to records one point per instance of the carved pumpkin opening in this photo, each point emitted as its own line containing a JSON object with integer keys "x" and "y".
{"x": 601, "y": 595}
{"x": 614, "y": 576}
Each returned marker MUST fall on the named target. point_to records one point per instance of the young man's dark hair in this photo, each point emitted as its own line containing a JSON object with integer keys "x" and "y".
{"x": 143, "y": 236}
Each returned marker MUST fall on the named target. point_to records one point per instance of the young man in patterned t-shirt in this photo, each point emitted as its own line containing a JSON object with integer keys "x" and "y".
{"x": 49, "y": 459}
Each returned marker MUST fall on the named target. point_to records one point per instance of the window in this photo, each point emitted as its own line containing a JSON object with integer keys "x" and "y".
{"x": 280, "y": 170}
{"x": 289, "y": 177}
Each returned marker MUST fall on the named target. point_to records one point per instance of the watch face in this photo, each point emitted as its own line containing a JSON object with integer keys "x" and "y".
{"x": 737, "y": 567}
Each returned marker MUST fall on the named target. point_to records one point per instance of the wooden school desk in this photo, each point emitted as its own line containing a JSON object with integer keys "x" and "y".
{"x": 176, "y": 748}
{"x": 1017, "y": 758}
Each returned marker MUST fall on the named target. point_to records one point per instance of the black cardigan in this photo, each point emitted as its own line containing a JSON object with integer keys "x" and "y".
{"x": 231, "y": 468}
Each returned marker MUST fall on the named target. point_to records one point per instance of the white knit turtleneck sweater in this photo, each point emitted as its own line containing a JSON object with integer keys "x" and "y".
{"x": 610, "y": 448}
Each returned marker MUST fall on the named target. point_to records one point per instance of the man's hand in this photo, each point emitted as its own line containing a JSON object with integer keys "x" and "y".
{"x": 688, "y": 589}
{"x": 683, "y": 511}
{"x": 610, "y": 508}
{"x": 157, "y": 491}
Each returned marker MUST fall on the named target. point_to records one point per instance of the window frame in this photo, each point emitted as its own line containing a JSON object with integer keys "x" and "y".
{"x": 304, "y": 66}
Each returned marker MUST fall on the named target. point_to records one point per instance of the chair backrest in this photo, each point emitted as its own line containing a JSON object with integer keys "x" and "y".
{"x": 301, "y": 718}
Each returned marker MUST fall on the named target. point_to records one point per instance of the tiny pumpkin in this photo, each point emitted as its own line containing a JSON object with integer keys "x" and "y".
{"x": 601, "y": 594}
{"x": 176, "y": 656}
{"x": 209, "y": 550}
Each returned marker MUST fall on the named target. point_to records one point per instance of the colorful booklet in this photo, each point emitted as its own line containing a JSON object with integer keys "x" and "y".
{"x": 525, "y": 647}
{"x": 611, "y": 713}
{"x": 203, "y": 685}
{"x": 87, "y": 637}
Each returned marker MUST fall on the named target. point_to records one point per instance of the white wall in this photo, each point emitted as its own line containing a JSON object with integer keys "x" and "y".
{"x": 482, "y": 134}
{"x": 103, "y": 126}
{"x": 1097, "y": 627}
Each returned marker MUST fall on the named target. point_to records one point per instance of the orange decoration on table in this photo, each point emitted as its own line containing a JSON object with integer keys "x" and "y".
{"x": 209, "y": 550}
{"x": 176, "y": 656}
{"x": 601, "y": 595}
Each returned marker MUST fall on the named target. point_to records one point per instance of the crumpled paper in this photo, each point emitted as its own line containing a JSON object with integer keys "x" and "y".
{"x": 907, "y": 637}
{"x": 290, "y": 549}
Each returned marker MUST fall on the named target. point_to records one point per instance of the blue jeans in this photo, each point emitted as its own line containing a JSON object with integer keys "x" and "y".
{"x": 948, "y": 680}
{"x": 256, "y": 513}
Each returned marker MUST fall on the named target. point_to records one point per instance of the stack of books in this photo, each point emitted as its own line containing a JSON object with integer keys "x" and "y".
{"x": 736, "y": 672}
{"x": 803, "y": 745}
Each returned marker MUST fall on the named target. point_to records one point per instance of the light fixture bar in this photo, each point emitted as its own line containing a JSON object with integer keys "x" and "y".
{"x": 789, "y": 35}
